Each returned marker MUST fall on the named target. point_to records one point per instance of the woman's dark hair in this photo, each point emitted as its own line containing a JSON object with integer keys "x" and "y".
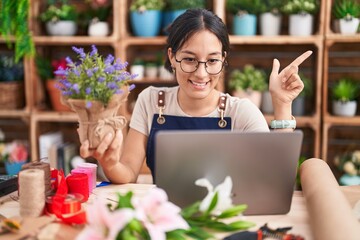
{"x": 193, "y": 21}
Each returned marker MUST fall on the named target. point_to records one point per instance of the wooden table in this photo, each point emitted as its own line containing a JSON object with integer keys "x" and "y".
{"x": 298, "y": 216}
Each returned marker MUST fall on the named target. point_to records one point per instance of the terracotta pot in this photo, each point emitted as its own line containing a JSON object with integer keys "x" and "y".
{"x": 96, "y": 121}
{"x": 55, "y": 96}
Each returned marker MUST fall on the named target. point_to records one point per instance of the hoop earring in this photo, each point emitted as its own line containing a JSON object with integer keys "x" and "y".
{"x": 173, "y": 68}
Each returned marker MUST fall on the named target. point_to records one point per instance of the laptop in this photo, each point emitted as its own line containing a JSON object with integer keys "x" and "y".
{"x": 262, "y": 166}
{"x": 8, "y": 184}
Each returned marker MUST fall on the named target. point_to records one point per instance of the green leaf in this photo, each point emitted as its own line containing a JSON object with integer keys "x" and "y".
{"x": 199, "y": 234}
{"x": 125, "y": 200}
{"x": 178, "y": 234}
{"x": 187, "y": 212}
{"x": 213, "y": 203}
{"x": 234, "y": 211}
{"x": 241, "y": 225}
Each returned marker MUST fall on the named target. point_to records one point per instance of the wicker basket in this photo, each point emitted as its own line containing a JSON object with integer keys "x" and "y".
{"x": 11, "y": 95}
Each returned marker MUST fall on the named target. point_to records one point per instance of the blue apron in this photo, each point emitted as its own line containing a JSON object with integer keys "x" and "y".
{"x": 168, "y": 122}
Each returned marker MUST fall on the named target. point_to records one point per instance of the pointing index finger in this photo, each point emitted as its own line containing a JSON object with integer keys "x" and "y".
{"x": 301, "y": 58}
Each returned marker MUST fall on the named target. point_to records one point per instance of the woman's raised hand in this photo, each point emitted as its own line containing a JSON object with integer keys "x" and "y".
{"x": 286, "y": 85}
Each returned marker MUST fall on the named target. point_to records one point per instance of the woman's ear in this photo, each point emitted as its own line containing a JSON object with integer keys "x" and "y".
{"x": 225, "y": 54}
{"x": 171, "y": 56}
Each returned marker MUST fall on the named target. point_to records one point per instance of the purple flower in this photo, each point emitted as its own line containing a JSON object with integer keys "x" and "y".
{"x": 89, "y": 72}
{"x": 79, "y": 51}
{"x": 119, "y": 91}
{"x": 109, "y": 59}
{"x": 88, "y": 90}
{"x": 131, "y": 87}
{"x": 120, "y": 66}
{"x": 88, "y": 104}
{"x": 94, "y": 50}
{"x": 112, "y": 85}
{"x": 109, "y": 69}
{"x": 68, "y": 60}
{"x": 101, "y": 79}
{"x": 76, "y": 72}
{"x": 76, "y": 88}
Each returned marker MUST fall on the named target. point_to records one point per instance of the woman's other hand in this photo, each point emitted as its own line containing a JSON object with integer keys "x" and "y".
{"x": 108, "y": 152}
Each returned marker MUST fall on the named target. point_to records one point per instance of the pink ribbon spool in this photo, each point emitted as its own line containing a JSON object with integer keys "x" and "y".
{"x": 93, "y": 168}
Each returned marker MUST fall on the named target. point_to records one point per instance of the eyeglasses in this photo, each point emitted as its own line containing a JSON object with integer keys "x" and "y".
{"x": 190, "y": 65}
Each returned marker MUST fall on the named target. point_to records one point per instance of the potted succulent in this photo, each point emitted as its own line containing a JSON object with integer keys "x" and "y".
{"x": 270, "y": 17}
{"x": 301, "y": 16}
{"x": 97, "y": 18}
{"x": 348, "y": 163}
{"x": 95, "y": 88}
{"x": 14, "y": 22}
{"x": 249, "y": 83}
{"x": 11, "y": 83}
{"x": 346, "y": 14}
{"x": 344, "y": 94}
{"x": 298, "y": 105}
{"x": 244, "y": 16}
{"x": 145, "y": 17}
{"x": 60, "y": 18}
{"x": 175, "y": 8}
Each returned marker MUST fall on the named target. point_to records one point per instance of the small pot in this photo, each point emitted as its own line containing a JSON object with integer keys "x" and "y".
{"x": 61, "y": 28}
{"x": 98, "y": 29}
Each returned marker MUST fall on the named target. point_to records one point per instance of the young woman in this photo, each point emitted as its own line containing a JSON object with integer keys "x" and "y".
{"x": 197, "y": 47}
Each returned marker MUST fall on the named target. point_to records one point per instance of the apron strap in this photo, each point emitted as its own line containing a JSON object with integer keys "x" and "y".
{"x": 161, "y": 106}
{"x": 222, "y": 105}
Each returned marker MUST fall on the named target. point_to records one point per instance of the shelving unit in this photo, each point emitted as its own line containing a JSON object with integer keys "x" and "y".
{"x": 126, "y": 46}
{"x": 341, "y": 53}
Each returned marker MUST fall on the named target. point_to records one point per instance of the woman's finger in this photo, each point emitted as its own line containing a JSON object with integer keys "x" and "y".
{"x": 301, "y": 58}
{"x": 84, "y": 150}
{"x": 103, "y": 146}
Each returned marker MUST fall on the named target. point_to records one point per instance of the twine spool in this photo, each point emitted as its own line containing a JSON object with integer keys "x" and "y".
{"x": 47, "y": 174}
{"x": 93, "y": 168}
{"x": 89, "y": 174}
{"x": 31, "y": 192}
{"x": 78, "y": 183}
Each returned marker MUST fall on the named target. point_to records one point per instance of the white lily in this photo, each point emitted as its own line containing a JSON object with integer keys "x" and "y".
{"x": 224, "y": 195}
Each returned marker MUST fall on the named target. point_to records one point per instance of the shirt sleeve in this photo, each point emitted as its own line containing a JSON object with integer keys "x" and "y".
{"x": 139, "y": 117}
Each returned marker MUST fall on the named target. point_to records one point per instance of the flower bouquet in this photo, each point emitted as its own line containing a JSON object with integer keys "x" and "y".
{"x": 95, "y": 88}
{"x": 154, "y": 217}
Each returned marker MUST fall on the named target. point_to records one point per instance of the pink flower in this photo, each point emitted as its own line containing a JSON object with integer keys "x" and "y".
{"x": 158, "y": 214}
{"x": 18, "y": 153}
{"x": 102, "y": 223}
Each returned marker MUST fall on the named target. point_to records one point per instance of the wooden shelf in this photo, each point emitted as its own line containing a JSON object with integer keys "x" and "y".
{"x": 14, "y": 113}
{"x": 64, "y": 40}
{"x": 346, "y": 121}
{"x": 51, "y": 116}
{"x": 276, "y": 40}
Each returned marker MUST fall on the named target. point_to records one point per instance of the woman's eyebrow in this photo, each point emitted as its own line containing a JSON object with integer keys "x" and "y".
{"x": 192, "y": 53}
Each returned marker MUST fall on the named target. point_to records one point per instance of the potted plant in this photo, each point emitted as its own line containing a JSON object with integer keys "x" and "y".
{"x": 175, "y": 8}
{"x": 145, "y": 17}
{"x": 14, "y": 22}
{"x": 348, "y": 164}
{"x": 46, "y": 69}
{"x": 151, "y": 70}
{"x": 347, "y": 13}
{"x": 301, "y": 16}
{"x": 138, "y": 69}
{"x": 244, "y": 16}
{"x": 11, "y": 83}
{"x": 60, "y": 18}
{"x": 249, "y": 83}
{"x": 95, "y": 89}
{"x": 298, "y": 105}
{"x": 14, "y": 154}
{"x": 270, "y": 17}
{"x": 344, "y": 94}
{"x": 97, "y": 16}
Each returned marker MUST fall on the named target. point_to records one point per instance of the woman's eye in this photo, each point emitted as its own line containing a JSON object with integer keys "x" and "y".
{"x": 189, "y": 60}
{"x": 213, "y": 61}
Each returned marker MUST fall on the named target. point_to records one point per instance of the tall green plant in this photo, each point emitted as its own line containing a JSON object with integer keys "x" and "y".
{"x": 346, "y": 9}
{"x": 345, "y": 90}
{"x": 249, "y": 78}
{"x": 249, "y": 6}
{"x": 14, "y": 22}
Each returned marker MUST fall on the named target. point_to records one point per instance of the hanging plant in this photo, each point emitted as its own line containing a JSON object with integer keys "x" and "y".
{"x": 14, "y": 22}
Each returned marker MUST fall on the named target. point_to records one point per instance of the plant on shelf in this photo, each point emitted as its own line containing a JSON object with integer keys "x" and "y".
{"x": 347, "y": 12}
{"x": 95, "y": 88}
{"x": 11, "y": 82}
{"x": 344, "y": 94}
{"x": 96, "y": 18}
{"x": 14, "y": 22}
{"x": 60, "y": 18}
{"x": 301, "y": 19}
{"x": 249, "y": 82}
{"x": 14, "y": 154}
{"x": 244, "y": 15}
{"x": 146, "y": 16}
{"x": 348, "y": 164}
{"x": 270, "y": 17}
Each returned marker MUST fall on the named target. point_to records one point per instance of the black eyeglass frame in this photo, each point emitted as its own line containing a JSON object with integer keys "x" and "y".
{"x": 224, "y": 63}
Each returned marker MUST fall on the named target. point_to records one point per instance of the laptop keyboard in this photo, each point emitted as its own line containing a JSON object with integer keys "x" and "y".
{"x": 8, "y": 184}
